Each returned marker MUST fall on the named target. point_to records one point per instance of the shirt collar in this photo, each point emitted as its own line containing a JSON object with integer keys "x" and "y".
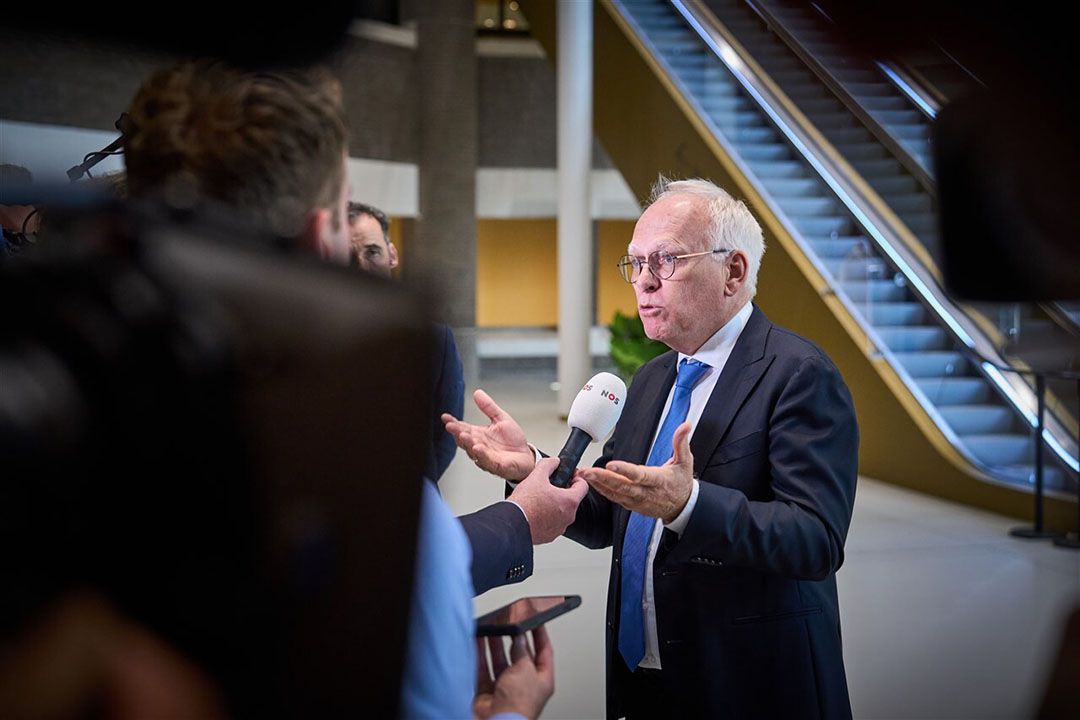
{"x": 714, "y": 352}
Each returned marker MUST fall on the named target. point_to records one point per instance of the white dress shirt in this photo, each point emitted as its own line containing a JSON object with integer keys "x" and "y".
{"x": 714, "y": 353}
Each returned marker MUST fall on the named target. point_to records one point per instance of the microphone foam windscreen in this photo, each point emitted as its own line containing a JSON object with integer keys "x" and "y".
{"x": 597, "y": 407}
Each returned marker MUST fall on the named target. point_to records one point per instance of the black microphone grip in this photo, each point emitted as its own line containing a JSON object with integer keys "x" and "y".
{"x": 569, "y": 457}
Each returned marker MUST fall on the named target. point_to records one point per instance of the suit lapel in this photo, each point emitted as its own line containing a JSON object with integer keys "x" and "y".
{"x": 652, "y": 402}
{"x": 645, "y": 422}
{"x": 739, "y": 377}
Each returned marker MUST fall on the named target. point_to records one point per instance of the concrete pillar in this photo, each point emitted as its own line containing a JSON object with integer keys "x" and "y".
{"x": 442, "y": 246}
{"x": 574, "y": 74}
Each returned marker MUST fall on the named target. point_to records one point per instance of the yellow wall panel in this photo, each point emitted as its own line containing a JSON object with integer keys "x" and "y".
{"x": 516, "y": 273}
{"x": 612, "y": 292}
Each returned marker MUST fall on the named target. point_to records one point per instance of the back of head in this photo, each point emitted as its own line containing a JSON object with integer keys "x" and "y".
{"x": 269, "y": 145}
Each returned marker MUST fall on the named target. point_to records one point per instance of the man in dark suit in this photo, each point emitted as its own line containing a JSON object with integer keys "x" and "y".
{"x": 726, "y": 489}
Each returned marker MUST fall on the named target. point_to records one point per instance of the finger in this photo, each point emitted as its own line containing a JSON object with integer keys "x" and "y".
{"x": 545, "y": 652}
{"x": 519, "y": 648}
{"x": 633, "y": 473}
{"x": 611, "y": 485}
{"x": 578, "y": 489}
{"x": 485, "y": 683}
{"x": 489, "y": 406}
{"x": 447, "y": 418}
{"x": 544, "y": 468}
{"x": 680, "y": 444}
{"x": 498, "y": 656}
{"x": 485, "y": 458}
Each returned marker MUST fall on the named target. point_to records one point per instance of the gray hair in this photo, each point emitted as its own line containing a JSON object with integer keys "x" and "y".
{"x": 730, "y": 223}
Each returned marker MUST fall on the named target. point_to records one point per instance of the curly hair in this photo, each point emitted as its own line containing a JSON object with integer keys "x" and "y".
{"x": 268, "y": 144}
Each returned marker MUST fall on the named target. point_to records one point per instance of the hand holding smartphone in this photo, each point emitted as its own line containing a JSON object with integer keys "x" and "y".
{"x": 525, "y": 614}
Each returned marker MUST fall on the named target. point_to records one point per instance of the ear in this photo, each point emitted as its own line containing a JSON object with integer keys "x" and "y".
{"x": 393, "y": 254}
{"x": 316, "y": 236}
{"x": 738, "y": 267}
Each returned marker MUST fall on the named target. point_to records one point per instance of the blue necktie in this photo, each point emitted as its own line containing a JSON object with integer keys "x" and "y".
{"x": 635, "y": 547}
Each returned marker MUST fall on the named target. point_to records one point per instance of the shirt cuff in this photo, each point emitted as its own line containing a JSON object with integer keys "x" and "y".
{"x": 683, "y": 519}
{"x": 537, "y": 457}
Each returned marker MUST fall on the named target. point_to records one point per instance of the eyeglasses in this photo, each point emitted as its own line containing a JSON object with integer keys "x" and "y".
{"x": 661, "y": 264}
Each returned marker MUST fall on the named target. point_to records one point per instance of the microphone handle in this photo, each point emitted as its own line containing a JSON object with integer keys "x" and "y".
{"x": 570, "y": 456}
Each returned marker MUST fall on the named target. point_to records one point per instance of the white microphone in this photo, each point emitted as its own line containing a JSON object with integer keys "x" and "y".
{"x": 592, "y": 417}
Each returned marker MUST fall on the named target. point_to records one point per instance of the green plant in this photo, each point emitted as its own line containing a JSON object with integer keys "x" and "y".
{"x": 630, "y": 347}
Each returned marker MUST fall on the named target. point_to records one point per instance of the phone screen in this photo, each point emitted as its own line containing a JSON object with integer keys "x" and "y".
{"x": 525, "y": 614}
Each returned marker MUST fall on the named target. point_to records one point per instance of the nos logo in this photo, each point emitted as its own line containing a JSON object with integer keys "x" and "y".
{"x": 604, "y": 393}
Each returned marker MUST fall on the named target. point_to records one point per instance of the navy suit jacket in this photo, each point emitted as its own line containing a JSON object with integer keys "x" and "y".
{"x": 502, "y": 552}
{"x": 746, "y": 606}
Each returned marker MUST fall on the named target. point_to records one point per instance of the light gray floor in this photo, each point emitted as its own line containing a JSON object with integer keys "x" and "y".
{"x": 944, "y": 615}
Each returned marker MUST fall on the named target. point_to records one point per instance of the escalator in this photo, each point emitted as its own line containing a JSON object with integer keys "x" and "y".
{"x": 833, "y": 82}
{"x": 850, "y": 238}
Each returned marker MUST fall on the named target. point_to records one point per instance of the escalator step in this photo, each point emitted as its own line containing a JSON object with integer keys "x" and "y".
{"x": 915, "y": 338}
{"x": 999, "y": 449}
{"x": 955, "y": 390}
{"x": 862, "y": 151}
{"x": 859, "y": 268}
{"x": 780, "y": 170}
{"x": 874, "y": 291}
{"x": 932, "y": 364}
{"x": 979, "y": 419}
{"x": 893, "y": 314}
{"x": 823, "y": 225}
{"x": 799, "y": 208}
{"x": 767, "y": 152}
{"x": 898, "y": 117}
{"x": 794, "y": 187}
{"x": 894, "y": 102}
{"x": 753, "y": 135}
{"x": 841, "y": 247}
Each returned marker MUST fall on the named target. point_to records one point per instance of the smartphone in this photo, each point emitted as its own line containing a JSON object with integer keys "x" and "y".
{"x": 525, "y": 614}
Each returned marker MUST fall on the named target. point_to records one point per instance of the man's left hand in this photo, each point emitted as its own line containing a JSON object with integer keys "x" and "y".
{"x": 660, "y": 492}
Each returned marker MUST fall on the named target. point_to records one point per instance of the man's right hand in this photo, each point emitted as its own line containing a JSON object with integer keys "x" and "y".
{"x": 500, "y": 447}
{"x": 549, "y": 509}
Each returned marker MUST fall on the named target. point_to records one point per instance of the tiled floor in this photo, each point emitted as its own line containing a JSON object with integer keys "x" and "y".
{"x": 944, "y": 615}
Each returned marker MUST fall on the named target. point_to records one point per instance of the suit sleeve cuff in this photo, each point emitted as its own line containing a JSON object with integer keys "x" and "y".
{"x": 525, "y": 514}
{"x": 683, "y": 519}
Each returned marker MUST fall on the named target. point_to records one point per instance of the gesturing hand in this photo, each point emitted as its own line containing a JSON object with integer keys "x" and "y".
{"x": 500, "y": 447}
{"x": 660, "y": 492}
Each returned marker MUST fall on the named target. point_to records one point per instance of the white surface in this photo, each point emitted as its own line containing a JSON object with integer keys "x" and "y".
{"x": 574, "y": 144}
